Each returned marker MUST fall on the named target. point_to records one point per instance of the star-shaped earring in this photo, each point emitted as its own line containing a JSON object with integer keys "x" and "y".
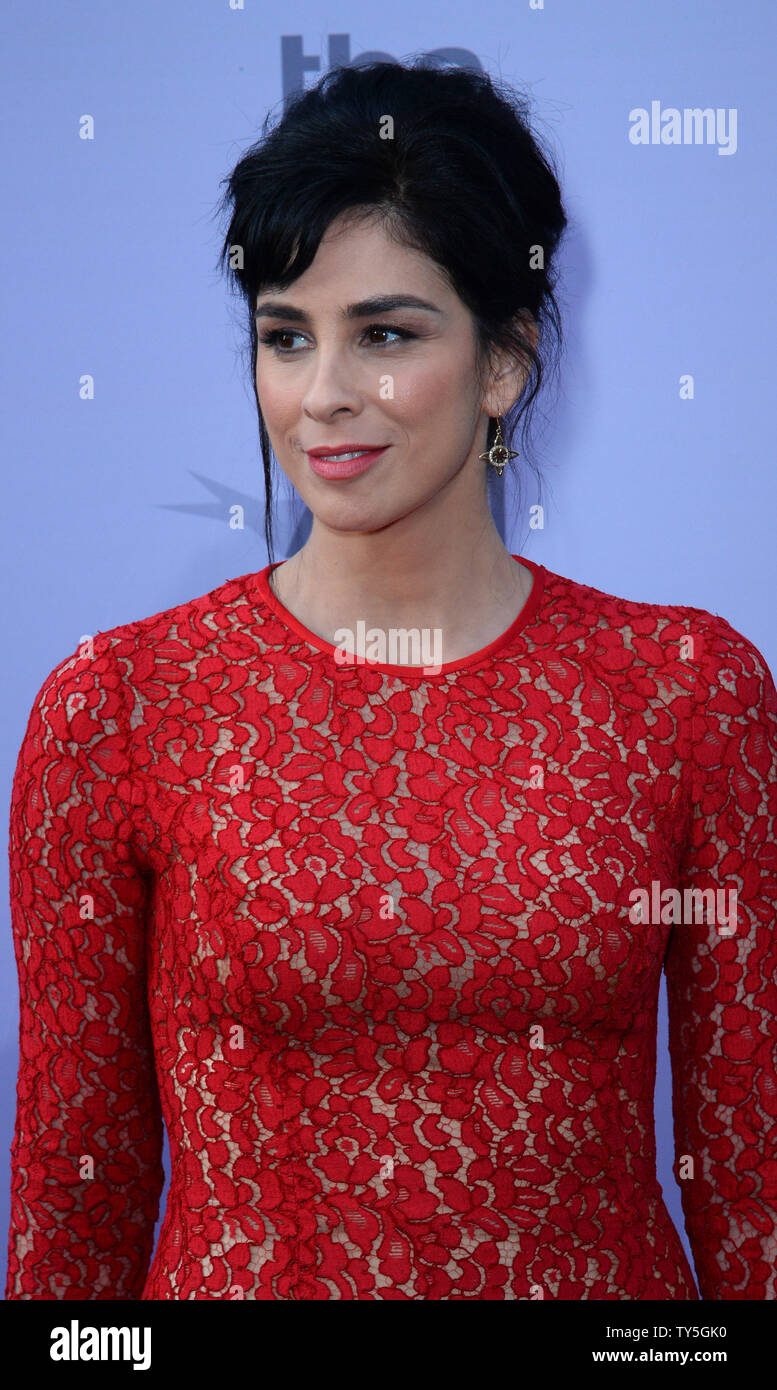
{"x": 499, "y": 453}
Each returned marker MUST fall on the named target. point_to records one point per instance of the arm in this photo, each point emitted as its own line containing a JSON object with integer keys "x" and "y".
{"x": 721, "y": 987}
{"x": 86, "y": 1171}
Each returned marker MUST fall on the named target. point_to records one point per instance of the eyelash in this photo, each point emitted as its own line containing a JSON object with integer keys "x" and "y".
{"x": 270, "y": 338}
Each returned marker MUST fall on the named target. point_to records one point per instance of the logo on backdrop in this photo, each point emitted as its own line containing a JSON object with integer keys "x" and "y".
{"x": 295, "y": 63}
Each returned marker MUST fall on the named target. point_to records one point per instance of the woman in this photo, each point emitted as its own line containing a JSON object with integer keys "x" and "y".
{"x": 361, "y": 870}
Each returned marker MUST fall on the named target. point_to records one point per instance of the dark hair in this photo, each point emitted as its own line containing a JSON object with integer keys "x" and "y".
{"x": 463, "y": 179}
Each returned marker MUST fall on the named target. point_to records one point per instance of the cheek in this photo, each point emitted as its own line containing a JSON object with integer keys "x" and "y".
{"x": 434, "y": 393}
{"x": 278, "y": 394}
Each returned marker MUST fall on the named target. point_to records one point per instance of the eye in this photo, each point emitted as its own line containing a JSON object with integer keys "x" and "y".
{"x": 272, "y": 337}
{"x": 387, "y": 328}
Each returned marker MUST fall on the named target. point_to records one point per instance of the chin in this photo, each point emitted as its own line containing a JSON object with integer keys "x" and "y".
{"x": 354, "y": 520}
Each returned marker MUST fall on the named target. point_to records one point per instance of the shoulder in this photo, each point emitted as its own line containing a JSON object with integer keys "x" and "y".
{"x": 620, "y": 633}
{"x": 193, "y": 624}
{"x": 92, "y": 680}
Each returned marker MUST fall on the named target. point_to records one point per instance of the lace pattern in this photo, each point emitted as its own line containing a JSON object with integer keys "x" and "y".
{"x": 365, "y": 943}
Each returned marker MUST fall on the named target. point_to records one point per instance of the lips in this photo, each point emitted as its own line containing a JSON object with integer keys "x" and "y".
{"x": 328, "y": 451}
{"x": 325, "y": 465}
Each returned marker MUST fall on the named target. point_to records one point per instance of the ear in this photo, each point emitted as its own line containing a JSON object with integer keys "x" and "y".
{"x": 508, "y": 373}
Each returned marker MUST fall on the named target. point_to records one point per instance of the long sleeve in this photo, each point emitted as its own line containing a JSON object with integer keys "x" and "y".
{"x": 86, "y": 1170}
{"x": 721, "y": 971}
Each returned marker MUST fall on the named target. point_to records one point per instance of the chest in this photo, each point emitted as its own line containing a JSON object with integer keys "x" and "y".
{"x": 473, "y": 862}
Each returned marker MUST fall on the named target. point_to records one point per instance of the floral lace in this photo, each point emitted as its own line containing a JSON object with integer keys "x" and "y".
{"x": 382, "y": 950}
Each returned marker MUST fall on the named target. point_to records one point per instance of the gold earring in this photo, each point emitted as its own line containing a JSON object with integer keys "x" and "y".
{"x": 499, "y": 453}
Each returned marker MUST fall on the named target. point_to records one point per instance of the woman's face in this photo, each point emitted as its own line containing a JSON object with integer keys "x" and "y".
{"x": 400, "y": 378}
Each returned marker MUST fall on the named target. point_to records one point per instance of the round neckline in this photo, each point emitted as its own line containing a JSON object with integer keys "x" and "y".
{"x": 482, "y": 655}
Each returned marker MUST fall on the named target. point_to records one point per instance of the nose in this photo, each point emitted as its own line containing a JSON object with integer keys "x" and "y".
{"x": 331, "y": 384}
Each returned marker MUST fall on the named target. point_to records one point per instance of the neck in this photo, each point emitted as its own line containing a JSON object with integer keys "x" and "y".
{"x": 461, "y": 580}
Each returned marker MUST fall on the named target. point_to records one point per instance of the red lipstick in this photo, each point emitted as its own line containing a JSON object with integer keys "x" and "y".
{"x": 325, "y": 462}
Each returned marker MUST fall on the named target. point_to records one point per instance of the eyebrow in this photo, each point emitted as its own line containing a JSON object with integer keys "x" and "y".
{"x": 364, "y": 308}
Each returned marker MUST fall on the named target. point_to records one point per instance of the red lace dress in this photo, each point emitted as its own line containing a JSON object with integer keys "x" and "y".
{"x": 382, "y": 950}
